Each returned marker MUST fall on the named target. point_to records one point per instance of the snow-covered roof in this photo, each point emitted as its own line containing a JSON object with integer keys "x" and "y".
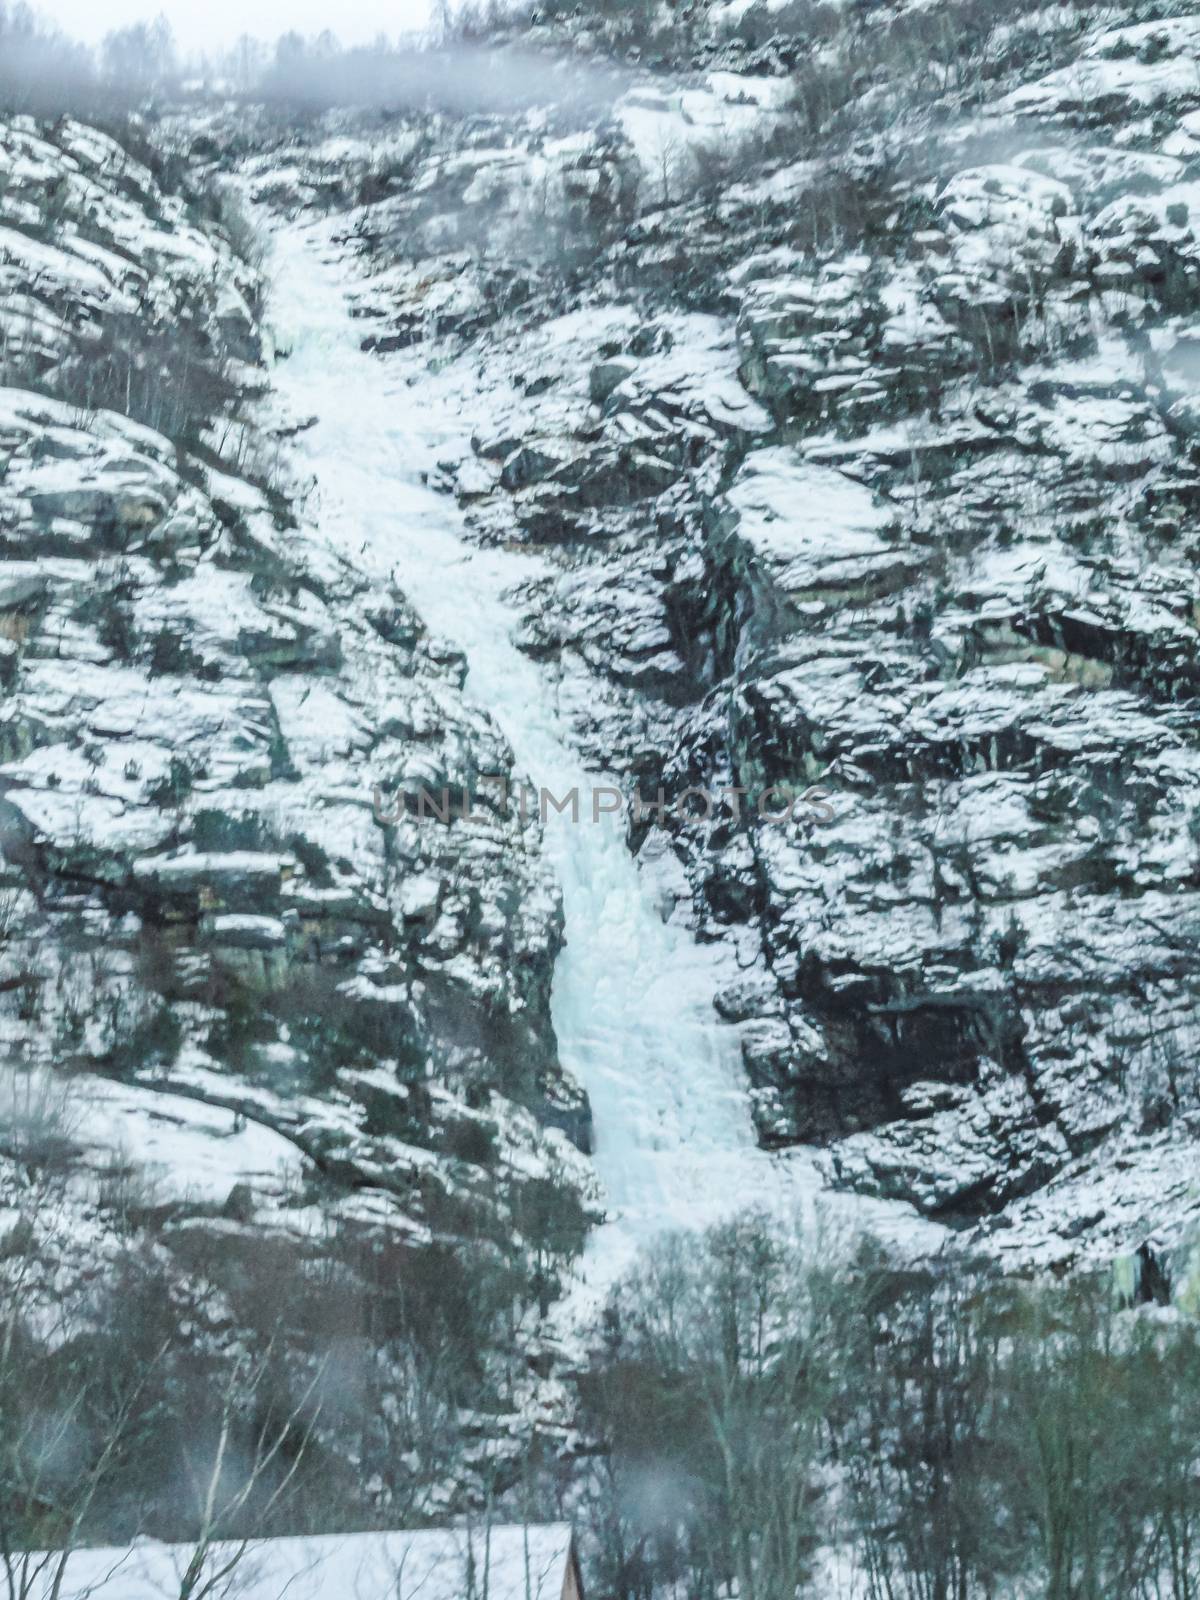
{"x": 510, "y": 1563}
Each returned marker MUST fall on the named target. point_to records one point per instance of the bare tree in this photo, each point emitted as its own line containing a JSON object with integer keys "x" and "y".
{"x": 240, "y": 1482}
{"x": 140, "y": 57}
{"x": 918, "y": 1451}
{"x": 714, "y": 1399}
{"x": 66, "y": 1418}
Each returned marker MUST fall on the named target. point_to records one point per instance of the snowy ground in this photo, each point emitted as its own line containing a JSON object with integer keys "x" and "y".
{"x": 518, "y": 1563}
{"x": 632, "y": 1002}
{"x": 203, "y": 1150}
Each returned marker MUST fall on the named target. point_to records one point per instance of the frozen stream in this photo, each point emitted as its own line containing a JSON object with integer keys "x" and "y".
{"x": 632, "y": 996}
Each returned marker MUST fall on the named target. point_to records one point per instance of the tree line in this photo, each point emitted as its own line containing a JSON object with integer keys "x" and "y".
{"x": 168, "y": 1370}
{"x": 45, "y": 73}
{"x": 763, "y": 1404}
{"x": 759, "y": 1405}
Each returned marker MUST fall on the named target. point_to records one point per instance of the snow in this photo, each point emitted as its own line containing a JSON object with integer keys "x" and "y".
{"x": 1185, "y": 141}
{"x": 632, "y": 995}
{"x": 194, "y": 1149}
{"x": 190, "y": 867}
{"x": 788, "y": 508}
{"x": 1142, "y": 66}
{"x": 37, "y": 259}
{"x": 511, "y": 1563}
{"x": 740, "y": 88}
{"x": 1003, "y": 215}
{"x": 663, "y": 125}
{"x": 698, "y": 374}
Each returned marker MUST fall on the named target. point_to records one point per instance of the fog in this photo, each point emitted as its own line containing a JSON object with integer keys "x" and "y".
{"x": 210, "y": 28}
{"x": 44, "y": 71}
{"x": 461, "y": 78}
{"x": 39, "y": 70}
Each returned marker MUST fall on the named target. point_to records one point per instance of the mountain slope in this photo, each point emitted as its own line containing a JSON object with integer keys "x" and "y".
{"x": 249, "y": 1023}
{"x": 847, "y": 399}
{"x": 816, "y": 388}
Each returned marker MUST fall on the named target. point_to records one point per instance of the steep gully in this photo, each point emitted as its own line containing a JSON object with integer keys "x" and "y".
{"x": 632, "y": 994}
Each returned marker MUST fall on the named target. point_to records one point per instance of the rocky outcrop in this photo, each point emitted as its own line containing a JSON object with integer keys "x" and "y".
{"x": 255, "y": 972}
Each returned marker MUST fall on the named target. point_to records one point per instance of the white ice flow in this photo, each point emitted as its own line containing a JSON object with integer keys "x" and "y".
{"x": 632, "y": 995}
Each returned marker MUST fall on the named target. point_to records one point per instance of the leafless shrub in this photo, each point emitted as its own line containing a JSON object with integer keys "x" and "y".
{"x": 861, "y": 70}
{"x": 172, "y": 374}
{"x": 38, "y": 1115}
{"x": 126, "y": 1192}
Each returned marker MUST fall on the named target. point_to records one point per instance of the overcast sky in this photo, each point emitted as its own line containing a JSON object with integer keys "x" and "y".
{"x": 210, "y": 24}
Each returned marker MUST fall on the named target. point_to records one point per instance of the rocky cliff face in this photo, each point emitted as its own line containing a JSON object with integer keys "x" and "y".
{"x": 861, "y": 437}
{"x": 253, "y": 1007}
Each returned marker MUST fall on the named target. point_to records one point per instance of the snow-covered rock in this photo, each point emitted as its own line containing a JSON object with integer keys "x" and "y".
{"x": 922, "y": 535}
